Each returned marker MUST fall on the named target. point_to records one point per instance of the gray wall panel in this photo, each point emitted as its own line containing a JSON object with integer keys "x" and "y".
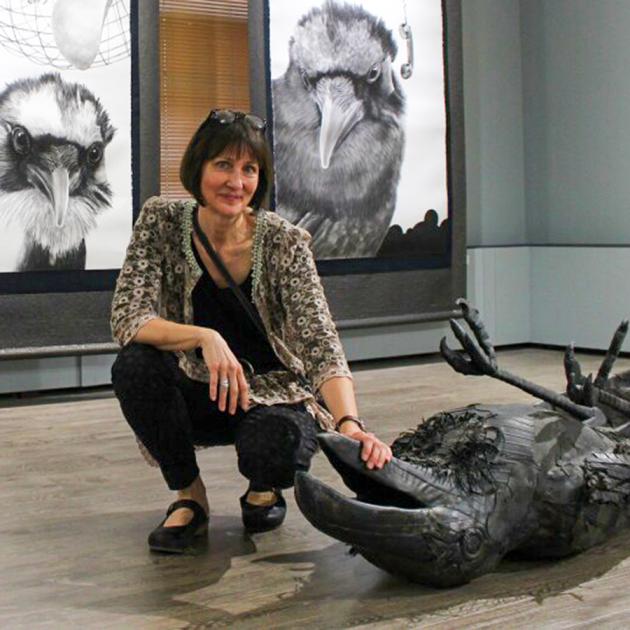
{"x": 579, "y": 294}
{"x": 39, "y": 374}
{"x": 576, "y": 91}
{"x": 149, "y": 76}
{"x": 95, "y": 370}
{"x": 495, "y": 168}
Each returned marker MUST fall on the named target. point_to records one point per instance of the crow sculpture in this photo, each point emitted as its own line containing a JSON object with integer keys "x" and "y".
{"x": 53, "y": 184}
{"x": 338, "y": 131}
{"x": 470, "y": 485}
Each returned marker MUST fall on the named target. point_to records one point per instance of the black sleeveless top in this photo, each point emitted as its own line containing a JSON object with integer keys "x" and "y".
{"x": 219, "y": 309}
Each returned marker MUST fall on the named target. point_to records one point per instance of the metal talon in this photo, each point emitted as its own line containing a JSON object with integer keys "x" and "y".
{"x": 612, "y": 353}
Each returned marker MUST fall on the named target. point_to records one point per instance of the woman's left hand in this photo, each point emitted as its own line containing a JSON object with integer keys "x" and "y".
{"x": 374, "y": 452}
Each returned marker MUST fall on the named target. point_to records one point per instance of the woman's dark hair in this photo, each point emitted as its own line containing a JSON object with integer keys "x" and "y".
{"x": 212, "y": 138}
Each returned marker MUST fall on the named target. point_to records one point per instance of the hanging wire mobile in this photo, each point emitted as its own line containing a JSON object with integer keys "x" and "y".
{"x": 38, "y": 29}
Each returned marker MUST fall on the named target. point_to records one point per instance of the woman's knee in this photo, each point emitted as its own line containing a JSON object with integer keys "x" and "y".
{"x": 140, "y": 365}
{"x": 274, "y": 442}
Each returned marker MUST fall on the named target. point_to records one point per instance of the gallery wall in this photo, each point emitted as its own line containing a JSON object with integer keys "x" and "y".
{"x": 576, "y": 89}
{"x": 547, "y": 163}
{"x": 546, "y": 89}
{"x": 548, "y": 156}
{"x": 487, "y": 281}
{"x": 494, "y": 123}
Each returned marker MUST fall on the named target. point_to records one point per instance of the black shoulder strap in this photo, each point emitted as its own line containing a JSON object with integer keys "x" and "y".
{"x": 245, "y": 303}
{"x": 216, "y": 259}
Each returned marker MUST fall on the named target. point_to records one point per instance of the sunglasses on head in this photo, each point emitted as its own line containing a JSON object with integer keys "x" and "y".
{"x": 227, "y": 117}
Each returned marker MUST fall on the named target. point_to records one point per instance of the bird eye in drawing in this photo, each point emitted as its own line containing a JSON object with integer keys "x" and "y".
{"x": 53, "y": 184}
{"x": 374, "y": 73}
{"x": 20, "y": 140}
{"x": 95, "y": 153}
{"x": 338, "y": 141}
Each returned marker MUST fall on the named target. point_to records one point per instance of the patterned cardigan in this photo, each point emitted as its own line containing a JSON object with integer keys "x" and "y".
{"x": 160, "y": 272}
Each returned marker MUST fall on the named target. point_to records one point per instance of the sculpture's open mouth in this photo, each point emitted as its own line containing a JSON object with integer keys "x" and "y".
{"x": 397, "y": 485}
{"x": 404, "y": 517}
{"x": 388, "y": 487}
{"x": 392, "y": 495}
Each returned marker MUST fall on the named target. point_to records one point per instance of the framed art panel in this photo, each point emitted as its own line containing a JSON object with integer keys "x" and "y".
{"x": 66, "y": 139}
{"x": 79, "y": 98}
{"x": 365, "y": 107}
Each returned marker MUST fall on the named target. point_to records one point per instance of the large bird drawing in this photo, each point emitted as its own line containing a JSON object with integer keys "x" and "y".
{"x": 53, "y": 184}
{"x": 338, "y": 131}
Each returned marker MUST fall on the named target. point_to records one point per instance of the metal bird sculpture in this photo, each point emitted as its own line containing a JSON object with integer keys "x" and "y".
{"x": 470, "y": 485}
{"x": 338, "y": 131}
{"x": 53, "y": 184}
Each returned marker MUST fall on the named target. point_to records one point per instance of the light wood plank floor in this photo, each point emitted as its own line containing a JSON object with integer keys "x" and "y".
{"x": 78, "y": 501}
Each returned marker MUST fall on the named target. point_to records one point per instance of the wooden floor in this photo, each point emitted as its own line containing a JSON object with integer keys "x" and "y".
{"x": 78, "y": 501}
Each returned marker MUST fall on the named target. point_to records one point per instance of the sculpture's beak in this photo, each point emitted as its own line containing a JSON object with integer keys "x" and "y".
{"x": 388, "y": 530}
{"x": 405, "y": 519}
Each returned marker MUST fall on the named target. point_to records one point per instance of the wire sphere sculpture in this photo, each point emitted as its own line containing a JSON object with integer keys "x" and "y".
{"x": 26, "y": 30}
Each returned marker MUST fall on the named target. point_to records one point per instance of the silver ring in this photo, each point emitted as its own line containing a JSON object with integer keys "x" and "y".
{"x": 225, "y": 383}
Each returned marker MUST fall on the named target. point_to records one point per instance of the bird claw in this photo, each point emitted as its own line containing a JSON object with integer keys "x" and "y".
{"x": 611, "y": 354}
{"x": 471, "y": 315}
{"x": 457, "y": 360}
{"x": 591, "y": 392}
{"x": 478, "y": 355}
{"x": 581, "y": 390}
{"x": 585, "y": 391}
{"x": 574, "y": 376}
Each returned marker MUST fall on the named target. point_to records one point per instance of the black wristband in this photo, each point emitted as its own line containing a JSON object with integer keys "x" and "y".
{"x": 350, "y": 418}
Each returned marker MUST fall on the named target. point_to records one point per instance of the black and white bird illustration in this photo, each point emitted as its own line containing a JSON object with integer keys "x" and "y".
{"x": 338, "y": 134}
{"x": 53, "y": 136}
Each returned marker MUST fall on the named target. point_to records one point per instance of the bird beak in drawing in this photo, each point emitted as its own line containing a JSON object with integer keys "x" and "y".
{"x": 60, "y": 189}
{"x": 55, "y": 185}
{"x": 340, "y": 112}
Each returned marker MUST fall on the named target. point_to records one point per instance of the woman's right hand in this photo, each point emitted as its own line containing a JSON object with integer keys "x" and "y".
{"x": 224, "y": 366}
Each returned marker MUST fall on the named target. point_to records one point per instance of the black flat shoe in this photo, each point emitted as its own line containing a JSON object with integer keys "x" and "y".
{"x": 262, "y": 518}
{"x": 178, "y": 538}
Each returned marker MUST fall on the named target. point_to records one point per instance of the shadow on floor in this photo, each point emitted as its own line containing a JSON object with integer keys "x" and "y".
{"x": 328, "y": 587}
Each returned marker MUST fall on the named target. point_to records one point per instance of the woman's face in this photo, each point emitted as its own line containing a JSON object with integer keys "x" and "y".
{"x": 229, "y": 181}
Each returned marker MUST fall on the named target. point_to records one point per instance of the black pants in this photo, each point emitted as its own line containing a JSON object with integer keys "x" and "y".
{"x": 171, "y": 413}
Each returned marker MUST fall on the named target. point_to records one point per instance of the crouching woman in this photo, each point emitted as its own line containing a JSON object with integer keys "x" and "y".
{"x": 195, "y": 369}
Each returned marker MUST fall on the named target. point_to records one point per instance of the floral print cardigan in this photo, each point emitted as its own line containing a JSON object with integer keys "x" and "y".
{"x": 160, "y": 272}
